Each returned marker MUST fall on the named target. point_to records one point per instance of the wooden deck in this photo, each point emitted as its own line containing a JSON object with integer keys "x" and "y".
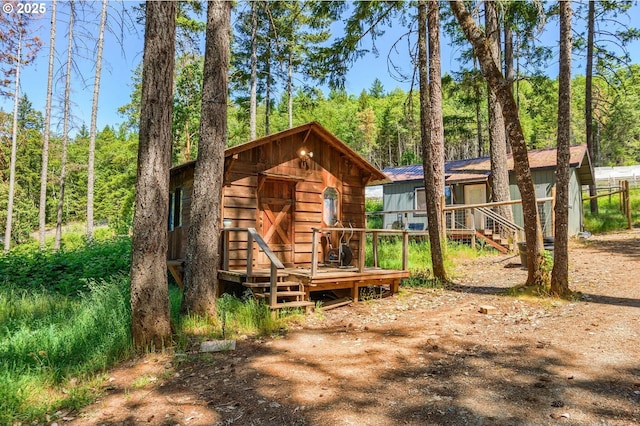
{"x": 326, "y": 278}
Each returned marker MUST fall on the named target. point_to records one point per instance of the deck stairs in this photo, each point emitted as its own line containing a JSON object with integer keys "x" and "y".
{"x": 289, "y": 294}
{"x": 496, "y": 231}
{"x": 499, "y": 232}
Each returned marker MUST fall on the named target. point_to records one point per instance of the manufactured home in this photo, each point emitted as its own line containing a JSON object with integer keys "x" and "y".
{"x": 468, "y": 182}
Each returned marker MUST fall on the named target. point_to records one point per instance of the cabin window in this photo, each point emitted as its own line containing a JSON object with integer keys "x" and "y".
{"x": 330, "y": 212}
{"x": 420, "y": 198}
{"x": 175, "y": 209}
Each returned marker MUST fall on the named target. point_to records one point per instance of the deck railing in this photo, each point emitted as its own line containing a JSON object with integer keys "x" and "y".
{"x": 254, "y": 237}
{"x": 475, "y": 217}
{"x": 362, "y": 240}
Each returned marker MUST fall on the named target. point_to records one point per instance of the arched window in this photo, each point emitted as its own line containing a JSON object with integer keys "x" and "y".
{"x": 330, "y": 206}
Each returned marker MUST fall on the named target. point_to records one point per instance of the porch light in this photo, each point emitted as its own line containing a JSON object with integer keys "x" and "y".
{"x": 226, "y": 223}
{"x": 305, "y": 156}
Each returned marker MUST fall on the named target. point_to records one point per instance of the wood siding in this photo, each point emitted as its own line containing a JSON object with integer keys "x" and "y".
{"x": 250, "y": 172}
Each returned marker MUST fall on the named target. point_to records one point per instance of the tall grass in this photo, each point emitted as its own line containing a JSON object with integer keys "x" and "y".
{"x": 50, "y": 344}
{"x": 65, "y": 317}
{"x": 610, "y": 216}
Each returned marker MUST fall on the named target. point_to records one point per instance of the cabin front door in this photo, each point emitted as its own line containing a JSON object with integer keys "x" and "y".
{"x": 276, "y": 200}
{"x": 475, "y": 194}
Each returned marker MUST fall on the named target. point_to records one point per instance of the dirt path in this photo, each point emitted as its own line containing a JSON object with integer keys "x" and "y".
{"x": 422, "y": 357}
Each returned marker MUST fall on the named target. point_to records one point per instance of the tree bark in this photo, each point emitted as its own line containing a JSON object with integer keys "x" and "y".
{"x": 42, "y": 217}
{"x": 150, "y": 317}
{"x": 588, "y": 100}
{"x": 437, "y": 258}
{"x": 14, "y": 148}
{"x": 435, "y": 97}
{"x": 65, "y": 130}
{"x": 94, "y": 125}
{"x": 253, "y": 90}
{"x": 203, "y": 240}
{"x": 498, "y": 84}
{"x": 560, "y": 272}
{"x": 497, "y": 134}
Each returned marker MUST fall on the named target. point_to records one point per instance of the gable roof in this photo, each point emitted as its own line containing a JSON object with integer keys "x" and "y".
{"x": 479, "y": 169}
{"x": 377, "y": 177}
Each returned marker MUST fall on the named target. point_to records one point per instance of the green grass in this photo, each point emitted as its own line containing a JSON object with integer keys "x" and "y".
{"x": 52, "y": 346}
{"x": 65, "y": 318}
{"x": 610, "y": 216}
{"x": 390, "y": 257}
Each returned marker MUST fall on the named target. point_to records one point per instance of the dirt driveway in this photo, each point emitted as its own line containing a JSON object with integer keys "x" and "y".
{"x": 422, "y": 357}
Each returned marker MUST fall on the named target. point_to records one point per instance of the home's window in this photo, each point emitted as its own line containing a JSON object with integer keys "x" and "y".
{"x": 420, "y": 198}
{"x": 175, "y": 209}
{"x": 330, "y": 210}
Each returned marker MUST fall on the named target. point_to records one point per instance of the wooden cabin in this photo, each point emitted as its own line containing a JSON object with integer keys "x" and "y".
{"x": 290, "y": 200}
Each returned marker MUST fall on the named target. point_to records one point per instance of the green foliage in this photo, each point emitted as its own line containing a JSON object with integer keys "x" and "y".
{"x": 610, "y": 216}
{"x": 67, "y": 271}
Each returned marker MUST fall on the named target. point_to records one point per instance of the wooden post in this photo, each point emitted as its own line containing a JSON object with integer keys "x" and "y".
{"x": 443, "y": 225}
{"x": 375, "y": 249}
{"x": 273, "y": 285}
{"x": 314, "y": 252}
{"x": 628, "y": 203}
{"x": 405, "y": 250}
{"x": 225, "y": 249}
{"x": 249, "y": 254}
{"x": 553, "y": 210}
{"x": 362, "y": 250}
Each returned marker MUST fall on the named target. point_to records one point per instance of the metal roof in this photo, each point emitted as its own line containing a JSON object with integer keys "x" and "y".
{"x": 478, "y": 169}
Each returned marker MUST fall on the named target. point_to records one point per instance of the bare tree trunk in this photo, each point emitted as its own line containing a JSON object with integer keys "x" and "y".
{"x": 497, "y": 133}
{"x": 478, "y": 120}
{"x": 65, "y": 129}
{"x": 253, "y": 90}
{"x": 437, "y": 257}
{"x": 560, "y": 272}
{"x": 435, "y": 97}
{"x": 499, "y": 86}
{"x": 290, "y": 91}
{"x": 94, "y": 125}
{"x": 203, "y": 240}
{"x": 588, "y": 100}
{"x": 14, "y": 148}
{"x": 509, "y": 71}
{"x": 47, "y": 130}
{"x": 150, "y": 317}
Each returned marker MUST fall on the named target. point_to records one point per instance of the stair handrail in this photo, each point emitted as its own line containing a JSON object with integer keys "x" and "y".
{"x": 500, "y": 219}
{"x": 254, "y": 236}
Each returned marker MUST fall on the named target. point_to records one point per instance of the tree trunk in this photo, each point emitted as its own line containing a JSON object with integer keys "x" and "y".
{"x": 560, "y": 272}
{"x": 14, "y": 148}
{"x": 435, "y": 97}
{"x": 290, "y": 91}
{"x": 497, "y": 134}
{"x": 499, "y": 86}
{"x": 65, "y": 129}
{"x": 509, "y": 71}
{"x": 437, "y": 258}
{"x": 42, "y": 217}
{"x": 253, "y": 90}
{"x": 478, "y": 120}
{"x": 150, "y": 317}
{"x": 588, "y": 100}
{"x": 94, "y": 125}
{"x": 203, "y": 240}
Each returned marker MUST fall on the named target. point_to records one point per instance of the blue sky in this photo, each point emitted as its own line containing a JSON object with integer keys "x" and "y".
{"x": 120, "y": 61}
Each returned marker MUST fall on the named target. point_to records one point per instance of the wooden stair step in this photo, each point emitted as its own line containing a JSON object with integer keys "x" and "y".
{"x": 296, "y": 304}
{"x": 289, "y": 293}
{"x": 267, "y": 284}
{"x": 267, "y": 274}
